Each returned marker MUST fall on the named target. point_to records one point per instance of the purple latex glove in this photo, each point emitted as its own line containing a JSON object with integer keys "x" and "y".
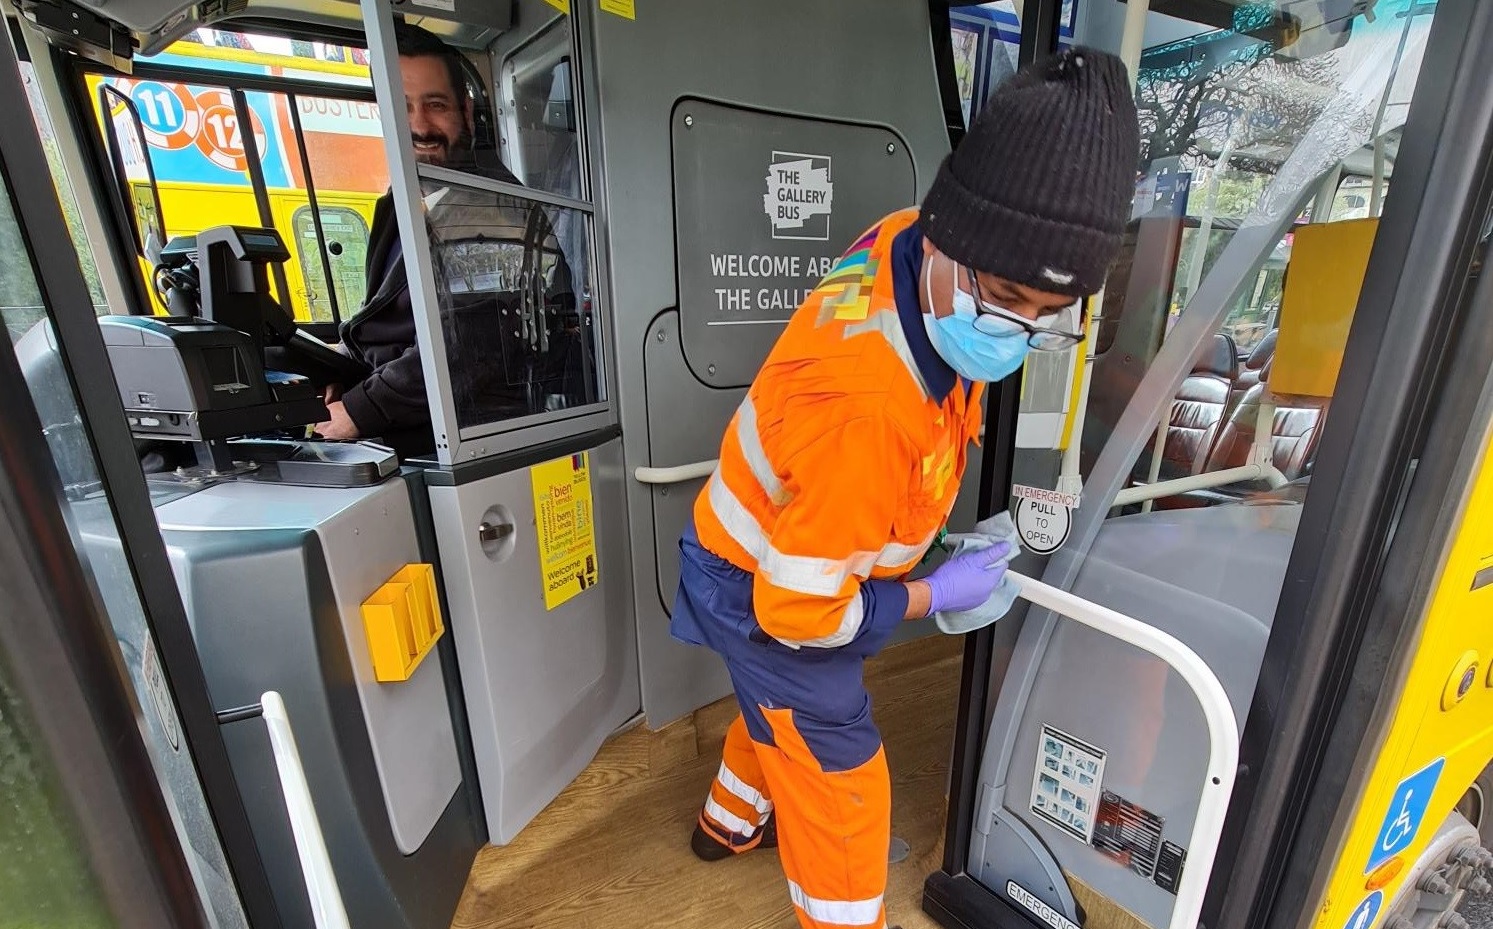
{"x": 967, "y": 581}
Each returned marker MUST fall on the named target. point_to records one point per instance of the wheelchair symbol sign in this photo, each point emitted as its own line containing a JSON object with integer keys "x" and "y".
{"x": 1367, "y": 912}
{"x": 1406, "y": 811}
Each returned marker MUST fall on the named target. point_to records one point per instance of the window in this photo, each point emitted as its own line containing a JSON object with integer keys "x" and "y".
{"x": 320, "y": 165}
{"x": 541, "y": 134}
{"x": 986, "y": 38}
{"x": 346, "y": 237}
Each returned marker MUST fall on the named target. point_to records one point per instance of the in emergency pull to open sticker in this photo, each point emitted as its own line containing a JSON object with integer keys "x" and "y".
{"x": 1043, "y": 518}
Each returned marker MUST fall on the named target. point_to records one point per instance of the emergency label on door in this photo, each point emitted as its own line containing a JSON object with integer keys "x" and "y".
{"x": 1065, "y": 789}
{"x": 1406, "y": 810}
{"x": 623, "y": 8}
{"x": 1037, "y": 908}
{"x": 1043, "y": 518}
{"x": 567, "y": 532}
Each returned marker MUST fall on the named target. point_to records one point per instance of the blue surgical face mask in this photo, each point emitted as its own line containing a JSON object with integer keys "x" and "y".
{"x": 978, "y": 346}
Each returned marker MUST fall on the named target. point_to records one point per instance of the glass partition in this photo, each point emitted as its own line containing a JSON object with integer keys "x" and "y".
{"x": 513, "y": 285}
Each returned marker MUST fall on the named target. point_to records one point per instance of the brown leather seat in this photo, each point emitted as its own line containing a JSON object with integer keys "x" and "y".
{"x": 1199, "y": 409}
{"x": 1249, "y": 372}
{"x": 1294, "y": 436}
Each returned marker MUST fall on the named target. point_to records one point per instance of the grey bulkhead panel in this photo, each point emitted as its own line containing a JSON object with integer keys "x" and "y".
{"x": 367, "y": 535}
{"x": 273, "y": 578}
{"x": 817, "y": 59}
{"x": 543, "y": 688}
{"x": 1211, "y": 577}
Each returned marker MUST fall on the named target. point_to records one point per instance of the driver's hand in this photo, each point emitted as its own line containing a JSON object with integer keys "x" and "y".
{"x": 332, "y": 394}
{"x": 340, "y": 426}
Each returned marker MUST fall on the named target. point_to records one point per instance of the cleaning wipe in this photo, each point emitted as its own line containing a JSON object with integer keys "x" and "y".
{"x": 992, "y": 531}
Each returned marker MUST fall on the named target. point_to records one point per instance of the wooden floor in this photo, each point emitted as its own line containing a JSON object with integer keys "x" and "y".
{"x": 612, "y": 852}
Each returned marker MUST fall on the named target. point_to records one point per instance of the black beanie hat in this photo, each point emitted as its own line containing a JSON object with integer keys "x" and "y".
{"x": 1039, "y": 191}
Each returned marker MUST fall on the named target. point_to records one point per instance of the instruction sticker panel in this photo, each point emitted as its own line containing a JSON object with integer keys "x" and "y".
{"x": 567, "y": 532}
{"x": 1065, "y": 790}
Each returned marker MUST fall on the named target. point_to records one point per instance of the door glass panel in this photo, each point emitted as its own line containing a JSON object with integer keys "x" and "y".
{"x": 513, "y": 283}
{"x": 90, "y": 515}
{"x": 1269, "y": 140}
{"x": 344, "y": 145}
{"x": 1250, "y": 135}
{"x": 65, "y": 193}
{"x": 338, "y": 142}
{"x": 45, "y": 879}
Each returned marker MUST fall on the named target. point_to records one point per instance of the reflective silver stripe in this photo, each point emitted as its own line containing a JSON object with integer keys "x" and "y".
{"x": 802, "y": 574}
{"x": 838, "y": 912}
{"x": 737, "y": 520}
{"x": 743, "y": 791}
{"x": 821, "y": 577}
{"x": 729, "y": 820}
{"x": 895, "y": 554}
{"x": 850, "y": 624}
{"x": 817, "y": 577}
{"x": 756, "y": 457}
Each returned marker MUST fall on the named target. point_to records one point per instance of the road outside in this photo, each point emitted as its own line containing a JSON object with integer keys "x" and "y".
{"x": 1478, "y": 910}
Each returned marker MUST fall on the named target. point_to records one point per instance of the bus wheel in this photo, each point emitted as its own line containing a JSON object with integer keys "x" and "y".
{"x": 1476, "y": 806}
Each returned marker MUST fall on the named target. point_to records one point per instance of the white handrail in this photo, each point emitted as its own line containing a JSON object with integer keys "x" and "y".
{"x": 1261, "y": 466}
{"x": 1223, "y": 729}
{"x": 1250, "y": 472}
{"x": 676, "y": 475}
{"x": 311, "y": 847}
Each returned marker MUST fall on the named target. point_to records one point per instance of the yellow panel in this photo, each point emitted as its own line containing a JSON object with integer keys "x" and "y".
{"x": 1442, "y": 728}
{"x": 1328, "y": 261}
{"x": 566, "y": 528}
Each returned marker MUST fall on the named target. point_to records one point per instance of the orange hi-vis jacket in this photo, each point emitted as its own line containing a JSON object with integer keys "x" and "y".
{"x": 840, "y": 466}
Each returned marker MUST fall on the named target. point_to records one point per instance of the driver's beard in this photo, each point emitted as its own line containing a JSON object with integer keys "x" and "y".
{"x": 459, "y": 153}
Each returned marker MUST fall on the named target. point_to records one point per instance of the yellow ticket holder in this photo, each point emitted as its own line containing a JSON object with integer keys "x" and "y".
{"x": 403, "y": 622}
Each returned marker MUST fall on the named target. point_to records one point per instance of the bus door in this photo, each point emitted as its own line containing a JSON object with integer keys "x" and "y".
{"x": 120, "y": 806}
{"x": 1284, "y": 471}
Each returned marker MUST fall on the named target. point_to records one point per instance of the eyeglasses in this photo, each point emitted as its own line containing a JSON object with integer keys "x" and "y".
{"x": 1043, "y": 340}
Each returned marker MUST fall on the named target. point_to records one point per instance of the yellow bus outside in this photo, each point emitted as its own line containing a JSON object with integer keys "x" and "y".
{"x": 186, "y": 136}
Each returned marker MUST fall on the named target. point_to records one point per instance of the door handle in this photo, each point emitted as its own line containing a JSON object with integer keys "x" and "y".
{"x": 1482, "y": 579}
{"x": 489, "y": 532}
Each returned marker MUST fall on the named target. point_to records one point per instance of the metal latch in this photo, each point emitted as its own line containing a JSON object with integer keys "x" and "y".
{"x": 487, "y": 532}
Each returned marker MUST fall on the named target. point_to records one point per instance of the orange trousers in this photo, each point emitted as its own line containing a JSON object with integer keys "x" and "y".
{"x": 804, "y": 750}
{"x": 834, "y": 828}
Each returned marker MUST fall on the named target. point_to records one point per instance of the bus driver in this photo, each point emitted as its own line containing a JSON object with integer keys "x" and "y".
{"x": 390, "y": 402}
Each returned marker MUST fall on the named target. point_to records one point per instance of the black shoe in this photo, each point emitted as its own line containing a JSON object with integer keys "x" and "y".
{"x": 707, "y": 848}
